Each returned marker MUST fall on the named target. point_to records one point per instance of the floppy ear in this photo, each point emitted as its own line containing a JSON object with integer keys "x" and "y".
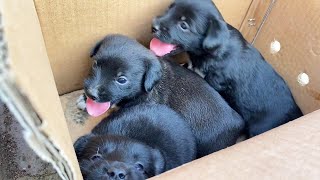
{"x": 81, "y": 144}
{"x": 96, "y": 48}
{"x": 217, "y": 33}
{"x": 153, "y": 73}
{"x": 158, "y": 161}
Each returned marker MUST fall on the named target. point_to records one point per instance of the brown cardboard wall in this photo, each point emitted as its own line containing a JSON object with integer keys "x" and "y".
{"x": 70, "y": 29}
{"x": 254, "y": 18}
{"x": 296, "y": 25}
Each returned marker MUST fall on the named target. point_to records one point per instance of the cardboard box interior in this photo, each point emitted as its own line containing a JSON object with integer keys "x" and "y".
{"x": 48, "y": 46}
{"x": 73, "y": 27}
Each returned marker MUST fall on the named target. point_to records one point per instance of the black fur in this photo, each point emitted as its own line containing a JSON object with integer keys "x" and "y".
{"x": 230, "y": 64}
{"x": 152, "y": 80}
{"x": 139, "y": 142}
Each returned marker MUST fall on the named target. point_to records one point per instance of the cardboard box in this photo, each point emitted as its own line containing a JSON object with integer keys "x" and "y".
{"x": 44, "y": 54}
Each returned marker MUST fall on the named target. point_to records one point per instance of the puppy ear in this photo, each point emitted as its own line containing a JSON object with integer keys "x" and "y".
{"x": 81, "y": 144}
{"x": 158, "y": 161}
{"x": 217, "y": 33}
{"x": 96, "y": 48}
{"x": 153, "y": 73}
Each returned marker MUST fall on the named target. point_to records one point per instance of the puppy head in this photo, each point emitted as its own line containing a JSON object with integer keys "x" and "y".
{"x": 116, "y": 157}
{"x": 191, "y": 26}
{"x": 122, "y": 69}
{"x": 101, "y": 169}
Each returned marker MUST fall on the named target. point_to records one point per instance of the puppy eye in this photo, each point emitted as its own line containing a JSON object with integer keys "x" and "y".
{"x": 139, "y": 167}
{"x": 184, "y": 25}
{"x": 96, "y": 157}
{"x": 171, "y": 5}
{"x": 122, "y": 80}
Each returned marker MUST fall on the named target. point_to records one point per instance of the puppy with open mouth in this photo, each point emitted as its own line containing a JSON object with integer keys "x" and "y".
{"x": 126, "y": 73}
{"x": 228, "y": 63}
{"x": 136, "y": 143}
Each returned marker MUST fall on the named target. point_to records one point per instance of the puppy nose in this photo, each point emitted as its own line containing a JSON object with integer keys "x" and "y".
{"x": 117, "y": 173}
{"x": 155, "y": 25}
{"x": 93, "y": 93}
{"x": 93, "y": 97}
{"x": 155, "y": 28}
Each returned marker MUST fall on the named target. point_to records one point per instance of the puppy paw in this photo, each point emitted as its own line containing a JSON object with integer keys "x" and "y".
{"x": 190, "y": 66}
{"x": 81, "y": 102}
{"x": 185, "y": 65}
{"x": 80, "y": 117}
{"x": 200, "y": 73}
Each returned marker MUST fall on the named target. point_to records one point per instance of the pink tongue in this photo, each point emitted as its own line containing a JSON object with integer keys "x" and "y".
{"x": 96, "y": 109}
{"x": 160, "y": 48}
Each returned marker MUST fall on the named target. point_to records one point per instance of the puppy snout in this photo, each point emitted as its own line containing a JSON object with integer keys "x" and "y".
{"x": 93, "y": 93}
{"x": 155, "y": 25}
{"x": 155, "y": 29}
{"x": 117, "y": 173}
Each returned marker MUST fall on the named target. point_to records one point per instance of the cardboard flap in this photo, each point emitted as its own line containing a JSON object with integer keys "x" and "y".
{"x": 28, "y": 88}
{"x": 291, "y": 151}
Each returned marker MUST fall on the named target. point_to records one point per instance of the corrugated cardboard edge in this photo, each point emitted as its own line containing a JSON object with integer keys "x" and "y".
{"x": 31, "y": 123}
{"x": 26, "y": 114}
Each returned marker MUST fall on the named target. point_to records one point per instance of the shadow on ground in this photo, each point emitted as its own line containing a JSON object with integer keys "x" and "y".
{"x": 17, "y": 160}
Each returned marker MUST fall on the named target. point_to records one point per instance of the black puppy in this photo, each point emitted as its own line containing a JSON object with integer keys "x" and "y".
{"x": 136, "y": 143}
{"x": 229, "y": 63}
{"x": 126, "y": 73}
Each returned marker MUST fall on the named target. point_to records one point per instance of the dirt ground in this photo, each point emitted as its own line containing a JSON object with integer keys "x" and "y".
{"x": 17, "y": 160}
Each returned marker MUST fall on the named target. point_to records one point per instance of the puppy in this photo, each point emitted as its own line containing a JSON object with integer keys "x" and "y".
{"x": 126, "y": 73}
{"x": 228, "y": 62}
{"x": 135, "y": 143}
